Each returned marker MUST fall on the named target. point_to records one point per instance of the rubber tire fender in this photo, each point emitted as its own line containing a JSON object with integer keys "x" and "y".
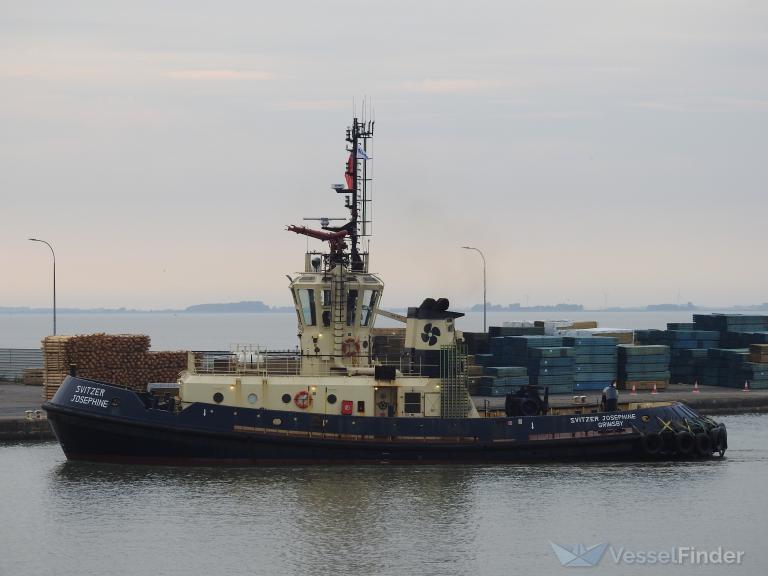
{"x": 703, "y": 444}
{"x": 529, "y": 407}
{"x": 720, "y": 443}
{"x": 685, "y": 443}
{"x": 652, "y": 443}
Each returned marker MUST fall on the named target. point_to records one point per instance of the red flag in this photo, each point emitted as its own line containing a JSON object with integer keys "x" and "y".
{"x": 349, "y": 175}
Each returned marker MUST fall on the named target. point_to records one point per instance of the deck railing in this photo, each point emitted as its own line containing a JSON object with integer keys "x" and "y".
{"x": 256, "y": 360}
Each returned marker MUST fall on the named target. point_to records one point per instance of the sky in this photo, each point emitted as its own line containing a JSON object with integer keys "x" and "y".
{"x": 596, "y": 151}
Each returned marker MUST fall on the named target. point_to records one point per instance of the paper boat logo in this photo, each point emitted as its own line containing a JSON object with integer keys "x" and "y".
{"x": 578, "y": 554}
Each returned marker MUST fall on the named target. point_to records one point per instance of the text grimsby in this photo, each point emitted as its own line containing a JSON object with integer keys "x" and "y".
{"x": 605, "y": 420}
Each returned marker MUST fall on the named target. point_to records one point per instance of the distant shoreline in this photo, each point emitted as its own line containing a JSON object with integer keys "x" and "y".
{"x": 261, "y": 308}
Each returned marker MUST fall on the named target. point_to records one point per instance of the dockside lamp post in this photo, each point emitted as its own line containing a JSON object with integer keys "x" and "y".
{"x": 484, "y": 285}
{"x": 54, "y": 279}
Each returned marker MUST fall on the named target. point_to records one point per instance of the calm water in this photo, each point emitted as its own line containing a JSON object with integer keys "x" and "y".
{"x": 81, "y": 519}
{"x": 219, "y": 331}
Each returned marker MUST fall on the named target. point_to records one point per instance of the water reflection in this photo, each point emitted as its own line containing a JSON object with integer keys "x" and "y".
{"x": 376, "y": 519}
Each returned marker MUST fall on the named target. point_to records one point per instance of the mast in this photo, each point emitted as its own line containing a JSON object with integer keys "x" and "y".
{"x": 337, "y": 298}
{"x": 357, "y": 200}
{"x": 357, "y": 190}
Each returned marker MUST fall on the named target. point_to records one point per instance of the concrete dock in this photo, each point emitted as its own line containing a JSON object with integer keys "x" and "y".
{"x": 16, "y": 399}
{"x": 709, "y": 399}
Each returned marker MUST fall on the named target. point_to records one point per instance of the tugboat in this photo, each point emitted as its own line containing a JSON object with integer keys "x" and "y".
{"x": 334, "y": 401}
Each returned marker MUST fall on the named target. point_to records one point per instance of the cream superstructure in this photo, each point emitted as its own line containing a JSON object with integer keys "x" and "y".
{"x": 337, "y": 300}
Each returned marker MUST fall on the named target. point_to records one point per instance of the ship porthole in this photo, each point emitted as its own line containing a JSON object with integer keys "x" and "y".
{"x": 286, "y": 398}
{"x": 218, "y": 397}
{"x": 331, "y": 398}
{"x": 252, "y": 398}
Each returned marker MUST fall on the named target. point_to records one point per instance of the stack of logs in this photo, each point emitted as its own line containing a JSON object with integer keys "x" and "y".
{"x": 121, "y": 359}
{"x": 758, "y": 353}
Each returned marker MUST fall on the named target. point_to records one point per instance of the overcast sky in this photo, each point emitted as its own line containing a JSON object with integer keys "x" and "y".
{"x": 592, "y": 149}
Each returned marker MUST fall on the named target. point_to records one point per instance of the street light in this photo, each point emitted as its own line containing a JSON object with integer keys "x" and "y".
{"x": 484, "y": 301}
{"x": 54, "y": 279}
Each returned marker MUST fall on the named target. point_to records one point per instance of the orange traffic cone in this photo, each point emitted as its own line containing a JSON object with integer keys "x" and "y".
{"x": 696, "y": 387}
{"x": 746, "y": 386}
{"x": 633, "y": 392}
{"x": 654, "y": 391}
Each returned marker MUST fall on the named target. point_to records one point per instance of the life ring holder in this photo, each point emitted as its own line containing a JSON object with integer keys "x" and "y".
{"x": 302, "y": 399}
{"x": 350, "y": 347}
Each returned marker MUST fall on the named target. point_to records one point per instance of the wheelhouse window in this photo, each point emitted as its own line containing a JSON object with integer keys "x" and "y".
{"x": 351, "y": 307}
{"x": 412, "y": 403}
{"x": 307, "y": 304}
{"x": 326, "y": 301}
{"x": 369, "y": 304}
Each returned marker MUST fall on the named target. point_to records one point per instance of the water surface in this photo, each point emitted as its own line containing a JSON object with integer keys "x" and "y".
{"x": 75, "y": 519}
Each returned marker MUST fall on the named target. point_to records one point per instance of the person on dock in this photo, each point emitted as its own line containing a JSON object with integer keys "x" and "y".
{"x": 610, "y": 399}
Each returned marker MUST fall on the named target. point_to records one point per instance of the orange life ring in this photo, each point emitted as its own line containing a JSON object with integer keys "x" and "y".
{"x": 350, "y": 347}
{"x": 302, "y": 399}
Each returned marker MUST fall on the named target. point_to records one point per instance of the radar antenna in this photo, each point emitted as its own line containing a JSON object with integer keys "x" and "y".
{"x": 357, "y": 191}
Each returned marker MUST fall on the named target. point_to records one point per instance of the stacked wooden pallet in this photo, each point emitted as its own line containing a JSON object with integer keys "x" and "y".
{"x": 122, "y": 359}
{"x": 55, "y": 364}
{"x": 32, "y": 377}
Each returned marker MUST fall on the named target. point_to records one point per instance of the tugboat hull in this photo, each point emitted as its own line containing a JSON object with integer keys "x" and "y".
{"x": 99, "y": 422}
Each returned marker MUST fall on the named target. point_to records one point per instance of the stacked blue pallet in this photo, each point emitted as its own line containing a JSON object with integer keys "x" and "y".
{"x": 734, "y": 327}
{"x": 552, "y": 367}
{"x": 501, "y": 380}
{"x": 547, "y": 361}
{"x": 755, "y": 373}
{"x": 685, "y": 362}
{"x": 643, "y": 366}
{"x": 731, "y": 367}
{"x": 496, "y": 331}
{"x": 594, "y": 361}
{"x": 743, "y": 339}
{"x": 688, "y": 351}
{"x": 725, "y": 323}
{"x": 484, "y": 359}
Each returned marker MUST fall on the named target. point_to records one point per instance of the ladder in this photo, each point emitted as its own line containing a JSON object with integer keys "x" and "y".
{"x": 339, "y": 308}
{"x": 454, "y": 396}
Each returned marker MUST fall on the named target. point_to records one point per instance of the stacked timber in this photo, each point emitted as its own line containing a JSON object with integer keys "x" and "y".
{"x": 474, "y": 375}
{"x": 622, "y": 335}
{"x": 55, "y": 364}
{"x": 502, "y": 380}
{"x": 758, "y": 353}
{"x": 732, "y": 367}
{"x": 688, "y": 349}
{"x": 512, "y": 329}
{"x": 120, "y": 359}
{"x": 548, "y": 363}
{"x": 32, "y": 376}
{"x": 595, "y": 361}
{"x": 477, "y": 342}
{"x": 643, "y": 367}
{"x": 736, "y": 330}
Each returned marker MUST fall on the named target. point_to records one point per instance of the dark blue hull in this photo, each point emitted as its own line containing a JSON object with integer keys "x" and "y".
{"x": 109, "y": 423}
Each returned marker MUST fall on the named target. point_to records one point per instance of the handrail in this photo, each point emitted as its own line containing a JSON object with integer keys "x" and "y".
{"x": 254, "y": 360}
